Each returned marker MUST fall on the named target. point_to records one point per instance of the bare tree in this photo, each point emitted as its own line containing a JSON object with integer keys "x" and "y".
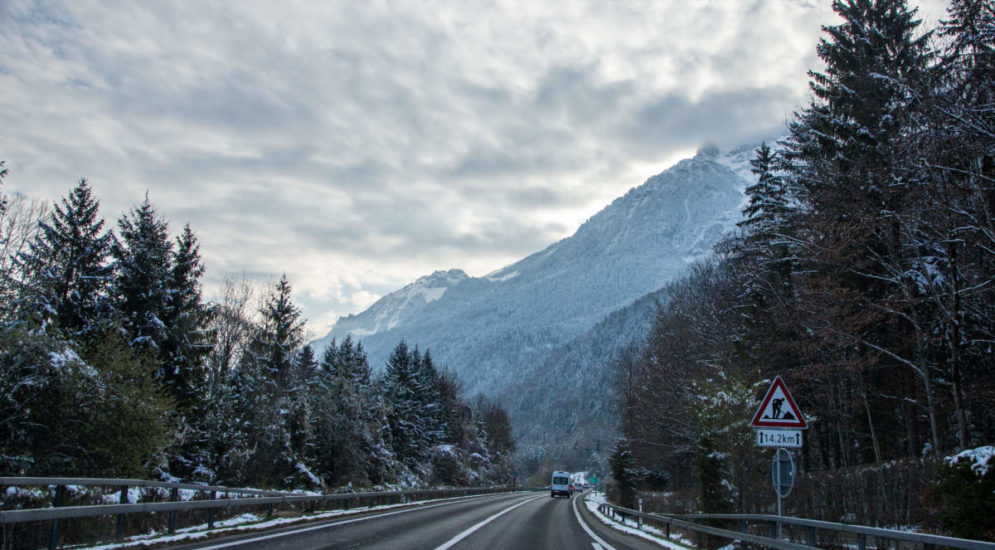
{"x": 231, "y": 326}
{"x": 19, "y": 217}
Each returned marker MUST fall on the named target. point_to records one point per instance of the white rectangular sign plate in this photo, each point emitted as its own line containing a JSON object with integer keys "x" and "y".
{"x": 779, "y": 438}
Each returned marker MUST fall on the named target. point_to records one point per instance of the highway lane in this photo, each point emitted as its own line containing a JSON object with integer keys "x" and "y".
{"x": 508, "y": 521}
{"x": 551, "y": 523}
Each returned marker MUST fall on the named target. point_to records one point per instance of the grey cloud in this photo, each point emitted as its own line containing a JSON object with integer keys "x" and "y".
{"x": 725, "y": 117}
{"x": 392, "y": 136}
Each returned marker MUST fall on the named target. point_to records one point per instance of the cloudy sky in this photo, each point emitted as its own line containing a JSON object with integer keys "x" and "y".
{"x": 359, "y": 144}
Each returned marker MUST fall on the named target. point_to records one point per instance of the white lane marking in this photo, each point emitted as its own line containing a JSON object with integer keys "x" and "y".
{"x": 324, "y": 526}
{"x": 470, "y": 531}
{"x": 597, "y": 546}
{"x": 588, "y": 529}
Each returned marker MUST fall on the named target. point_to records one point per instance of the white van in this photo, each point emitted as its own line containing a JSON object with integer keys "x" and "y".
{"x": 560, "y": 485}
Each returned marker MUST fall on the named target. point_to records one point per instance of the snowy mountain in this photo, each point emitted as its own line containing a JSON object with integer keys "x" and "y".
{"x": 492, "y": 330}
{"x": 395, "y": 308}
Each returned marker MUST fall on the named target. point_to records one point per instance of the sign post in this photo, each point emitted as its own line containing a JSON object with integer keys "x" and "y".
{"x": 779, "y": 423}
{"x": 783, "y": 476}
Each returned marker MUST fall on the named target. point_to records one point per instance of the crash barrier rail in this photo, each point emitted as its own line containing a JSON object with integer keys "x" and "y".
{"x": 257, "y": 497}
{"x": 857, "y": 535}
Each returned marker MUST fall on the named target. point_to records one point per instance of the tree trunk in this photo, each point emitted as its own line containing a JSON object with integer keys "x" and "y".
{"x": 954, "y": 336}
{"x": 870, "y": 423}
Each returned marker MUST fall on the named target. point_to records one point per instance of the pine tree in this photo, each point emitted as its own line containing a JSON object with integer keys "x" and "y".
{"x": 621, "y": 464}
{"x": 232, "y": 421}
{"x": 500, "y": 439}
{"x": 281, "y": 333}
{"x": 403, "y": 414}
{"x": 185, "y": 317}
{"x": 971, "y": 29}
{"x": 430, "y": 398}
{"x": 301, "y": 410}
{"x": 768, "y": 201}
{"x": 763, "y": 246}
{"x": 268, "y": 369}
{"x": 843, "y": 159}
{"x": 143, "y": 257}
{"x": 347, "y": 437}
{"x": 67, "y": 265}
{"x": 351, "y": 362}
{"x": 871, "y": 58}
{"x": 839, "y": 150}
{"x": 414, "y": 410}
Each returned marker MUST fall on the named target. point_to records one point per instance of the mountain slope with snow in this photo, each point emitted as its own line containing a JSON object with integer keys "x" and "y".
{"x": 395, "y": 308}
{"x": 491, "y": 330}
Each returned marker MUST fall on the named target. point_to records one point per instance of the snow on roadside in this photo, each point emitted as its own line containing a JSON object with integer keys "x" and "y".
{"x": 676, "y": 541}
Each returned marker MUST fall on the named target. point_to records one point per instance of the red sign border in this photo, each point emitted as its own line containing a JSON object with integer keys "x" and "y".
{"x": 760, "y": 423}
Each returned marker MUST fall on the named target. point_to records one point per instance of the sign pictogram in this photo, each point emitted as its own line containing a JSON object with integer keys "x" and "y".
{"x": 778, "y": 409}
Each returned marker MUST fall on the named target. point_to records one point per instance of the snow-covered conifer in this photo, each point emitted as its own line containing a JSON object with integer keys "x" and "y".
{"x": 67, "y": 269}
{"x": 143, "y": 258}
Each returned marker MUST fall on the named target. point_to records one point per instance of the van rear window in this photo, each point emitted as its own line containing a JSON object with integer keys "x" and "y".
{"x": 560, "y": 480}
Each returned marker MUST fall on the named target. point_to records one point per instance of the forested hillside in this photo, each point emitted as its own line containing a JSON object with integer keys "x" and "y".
{"x": 112, "y": 364}
{"x": 863, "y": 272}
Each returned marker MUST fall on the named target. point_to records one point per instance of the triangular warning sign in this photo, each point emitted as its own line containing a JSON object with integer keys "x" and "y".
{"x": 778, "y": 409}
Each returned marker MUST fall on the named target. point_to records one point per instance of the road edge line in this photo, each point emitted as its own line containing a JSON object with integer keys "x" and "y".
{"x": 587, "y": 529}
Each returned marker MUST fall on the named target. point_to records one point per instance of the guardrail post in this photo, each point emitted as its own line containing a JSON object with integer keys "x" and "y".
{"x": 861, "y": 542}
{"x": 211, "y": 511}
{"x": 701, "y": 540}
{"x": 174, "y": 495}
{"x": 53, "y": 535}
{"x": 810, "y": 536}
{"x": 122, "y": 499}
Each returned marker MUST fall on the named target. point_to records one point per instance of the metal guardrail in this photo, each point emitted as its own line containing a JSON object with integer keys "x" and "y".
{"x": 270, "y": 499}
{"x": 689, "y": 522}
{"x": 811, "y": 525}
{"x": 614, "y": 511}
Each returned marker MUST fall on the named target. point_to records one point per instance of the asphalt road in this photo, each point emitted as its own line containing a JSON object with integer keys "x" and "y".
{"x": 495, "y": 522}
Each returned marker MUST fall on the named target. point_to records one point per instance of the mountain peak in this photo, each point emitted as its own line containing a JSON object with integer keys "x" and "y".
{"x": 442, "y": 278}
{"x": 396, "y": 308}
{"x": 708, "y": 151}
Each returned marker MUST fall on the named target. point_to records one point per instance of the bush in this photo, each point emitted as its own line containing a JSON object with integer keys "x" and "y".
{"x": 98, "y": 413}
{"x": 966, "y": 486}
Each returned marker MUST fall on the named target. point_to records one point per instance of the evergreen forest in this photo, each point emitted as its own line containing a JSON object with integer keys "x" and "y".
{"x": 863, "y": 273}
{"x": 113, "y": 364}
